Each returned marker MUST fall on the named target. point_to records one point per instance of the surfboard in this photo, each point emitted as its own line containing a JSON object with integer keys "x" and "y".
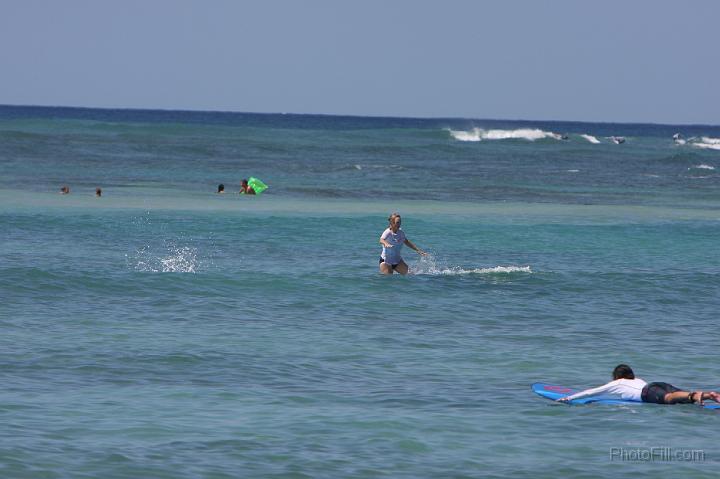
{"x": 554, "y": 392}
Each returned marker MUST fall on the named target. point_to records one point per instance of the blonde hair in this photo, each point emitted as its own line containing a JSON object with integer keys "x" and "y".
{"x": 392, "y": 217}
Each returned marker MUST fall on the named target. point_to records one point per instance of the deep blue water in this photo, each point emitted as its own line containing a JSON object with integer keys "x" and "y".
{"x": 163, "y": 330}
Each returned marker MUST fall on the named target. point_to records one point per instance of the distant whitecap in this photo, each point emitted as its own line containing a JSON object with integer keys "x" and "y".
{"x": 478, "y": 134}
{"x": 591, "y": 139}
{"x": 702, "y": 167}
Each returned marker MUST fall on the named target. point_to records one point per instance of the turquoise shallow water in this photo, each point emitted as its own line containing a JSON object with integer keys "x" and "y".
{"x": 165, "y": 331}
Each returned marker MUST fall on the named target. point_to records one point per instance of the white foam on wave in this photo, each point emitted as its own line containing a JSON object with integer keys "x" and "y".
{"x": 702, "y": 167}
{"x": 704, "y": 142}
{"x": 707, "y": 145}
{"x": 591, "y": 139}
{"x": 361, "y": 167}
{"x": 478, "y": 134}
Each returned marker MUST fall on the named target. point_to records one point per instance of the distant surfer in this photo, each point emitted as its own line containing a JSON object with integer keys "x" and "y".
{"x": 246, "y": 189}
{"x": 221, "y": 189}
{"x": 392, "y": 241}
{"x": 98, "y": 192}
{"x": 678, "y": 139}
{"x": 65, "y": 190}
{"x": 618, "y": 140}
{"x": 626, "y": 386}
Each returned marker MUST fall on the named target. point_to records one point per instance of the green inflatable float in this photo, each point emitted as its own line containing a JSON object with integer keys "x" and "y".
{"x": 256, "y": 185}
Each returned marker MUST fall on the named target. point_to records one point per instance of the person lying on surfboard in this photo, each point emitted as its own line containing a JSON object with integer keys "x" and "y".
{"x": 626, "y": 386}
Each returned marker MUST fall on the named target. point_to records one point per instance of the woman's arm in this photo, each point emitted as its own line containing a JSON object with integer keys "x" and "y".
{"x": 411, "y": 245}
{"x": 589, "y": 392}
{"x": 383, "y": 241}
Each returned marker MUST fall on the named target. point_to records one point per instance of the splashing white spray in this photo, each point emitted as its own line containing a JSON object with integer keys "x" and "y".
{"x": 429, "y": 265}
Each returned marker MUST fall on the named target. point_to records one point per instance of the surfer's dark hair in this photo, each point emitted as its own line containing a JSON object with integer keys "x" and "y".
{"x": 623, "y": 371}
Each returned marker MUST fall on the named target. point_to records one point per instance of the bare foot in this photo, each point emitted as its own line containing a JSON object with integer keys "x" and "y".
{"x": 714, "y": 396}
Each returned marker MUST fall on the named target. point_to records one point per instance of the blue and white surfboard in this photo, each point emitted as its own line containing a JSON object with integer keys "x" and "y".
{"x": 554, "y": 392}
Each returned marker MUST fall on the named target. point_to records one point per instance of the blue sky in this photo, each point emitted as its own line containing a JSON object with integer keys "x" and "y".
{"x": 627, "y": 61}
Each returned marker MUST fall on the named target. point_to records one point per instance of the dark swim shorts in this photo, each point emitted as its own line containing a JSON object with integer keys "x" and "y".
{"x": 393, "y": 265}
{"x": 655, "y": 392}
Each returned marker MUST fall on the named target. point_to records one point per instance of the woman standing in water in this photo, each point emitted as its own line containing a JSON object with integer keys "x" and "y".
{"x": 392, "y": 240}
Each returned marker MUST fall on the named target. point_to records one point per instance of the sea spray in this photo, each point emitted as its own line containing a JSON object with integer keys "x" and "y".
{"x": 430, "y": 265}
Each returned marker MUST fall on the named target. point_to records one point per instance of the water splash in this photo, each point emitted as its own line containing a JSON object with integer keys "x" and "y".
{"x": 169, "y": 258}
{"x": 163, "y": 251}
{"x": 429, "y": 265}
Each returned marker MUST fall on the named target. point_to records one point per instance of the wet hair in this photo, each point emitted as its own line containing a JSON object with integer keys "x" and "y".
{"x": 623, "y": 371}
{"x": 98, "y": 191}
{"x": 244, "y": 181}
{"x": 392, "y": 217}
{"x": 221, "y": 187}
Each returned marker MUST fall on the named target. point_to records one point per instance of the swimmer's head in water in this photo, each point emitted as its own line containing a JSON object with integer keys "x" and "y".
{"x": 623, "y": 371}
{"x": 244, "y": 183}
{"x": 221, "y": 188}
{"x": 65, "y": 190}
{"x": 98, "y": 191}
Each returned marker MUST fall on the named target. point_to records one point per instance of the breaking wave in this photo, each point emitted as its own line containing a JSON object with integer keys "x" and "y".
{"x": 591, "y": 139}
{"x": 479, "y": 134}
{"x": 707, "y": 143}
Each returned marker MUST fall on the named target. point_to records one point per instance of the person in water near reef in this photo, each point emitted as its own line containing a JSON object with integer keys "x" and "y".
{"x": 246, "y": 189}
{"x": 221, "y": 188}
{"x": 626, "y": 386}
{"x": 392, "y": 240}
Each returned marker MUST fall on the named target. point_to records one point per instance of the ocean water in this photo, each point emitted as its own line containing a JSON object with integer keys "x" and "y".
{"x": 163, "y": 330}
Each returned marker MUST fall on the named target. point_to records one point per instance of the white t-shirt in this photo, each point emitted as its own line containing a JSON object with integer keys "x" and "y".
{"x": 627, "y": 389}
{"x": 392, "y": 255}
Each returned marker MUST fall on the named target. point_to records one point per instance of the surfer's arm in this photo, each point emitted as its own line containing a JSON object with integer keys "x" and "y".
{"x": 589, "y": 392}
{"x": 411, "y": 245}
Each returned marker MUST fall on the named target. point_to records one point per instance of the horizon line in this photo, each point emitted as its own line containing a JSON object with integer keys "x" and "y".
{"x": 394, "y": 117}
